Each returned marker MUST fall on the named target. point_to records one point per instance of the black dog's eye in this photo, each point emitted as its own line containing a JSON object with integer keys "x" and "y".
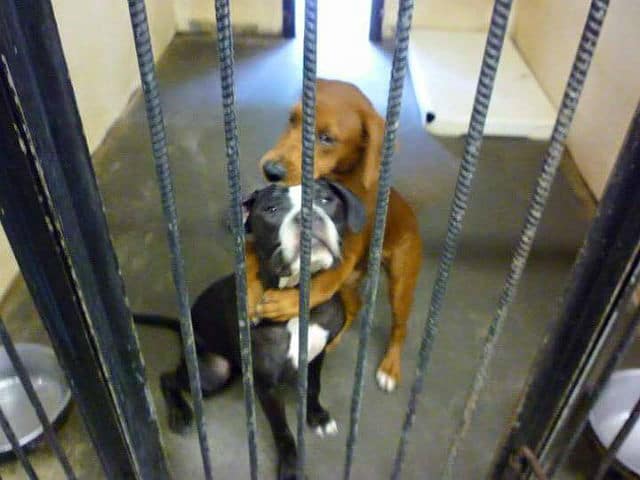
{"x": 326, "y": 199}
{"x": 271, "y": 209}
{"x": 326, "y": 139}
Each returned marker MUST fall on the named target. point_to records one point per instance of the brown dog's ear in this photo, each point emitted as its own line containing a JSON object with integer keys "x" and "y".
{"x": 374, "y": 134}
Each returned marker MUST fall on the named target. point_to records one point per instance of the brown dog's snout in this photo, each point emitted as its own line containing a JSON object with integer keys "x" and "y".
{"x": 274, "y": 171}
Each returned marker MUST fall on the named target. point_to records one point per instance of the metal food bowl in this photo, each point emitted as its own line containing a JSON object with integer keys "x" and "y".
{"x": 611, "y": 411}
{"x": 49, "y": 383}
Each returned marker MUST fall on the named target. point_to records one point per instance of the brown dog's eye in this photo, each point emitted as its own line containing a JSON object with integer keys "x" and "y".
{"x": 293, "y": 118}
{"x": 325, "y": 139}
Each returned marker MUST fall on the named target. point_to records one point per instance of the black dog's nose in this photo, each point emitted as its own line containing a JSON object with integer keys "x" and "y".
{"x": 274, "y": 171}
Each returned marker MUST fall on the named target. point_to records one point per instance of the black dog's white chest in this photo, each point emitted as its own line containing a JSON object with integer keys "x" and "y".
{"x": 317, "y": 337}
{"x": 316, "y": 340}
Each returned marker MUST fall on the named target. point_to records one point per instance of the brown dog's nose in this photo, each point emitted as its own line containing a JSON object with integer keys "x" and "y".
{"x": 274, "y": 171}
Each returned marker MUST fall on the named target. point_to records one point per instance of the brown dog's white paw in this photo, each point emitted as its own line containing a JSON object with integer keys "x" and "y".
{"x": 388, "y": 374}
{"x": 385, "y": 381}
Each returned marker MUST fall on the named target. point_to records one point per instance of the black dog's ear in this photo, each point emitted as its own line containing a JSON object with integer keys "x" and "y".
{"x": 247, "y": 205}
{"x": 356, "y": 214}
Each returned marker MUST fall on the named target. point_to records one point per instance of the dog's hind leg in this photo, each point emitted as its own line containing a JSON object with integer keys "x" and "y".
{"x": 179, "y": 411}
{"x": 285, "y": 444}
{"x": 215, "y": 373}
{"x": 317, "y": 417}
{"x": 403, "y": 263}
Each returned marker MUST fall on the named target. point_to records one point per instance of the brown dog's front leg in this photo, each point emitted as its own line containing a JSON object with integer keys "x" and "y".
{"x": 403, "y": 267}
{"x": 351, "y": 300}
{"x": 254, "y": 285}
{"x": 282, "y": 305}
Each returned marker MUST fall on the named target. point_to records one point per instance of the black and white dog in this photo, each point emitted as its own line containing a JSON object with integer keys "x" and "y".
{"x": 272, "y": 218}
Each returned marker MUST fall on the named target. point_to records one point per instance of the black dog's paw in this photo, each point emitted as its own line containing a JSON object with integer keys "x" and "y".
{"x": 320, "y": 421}
{"x": 180, "y": 419}
{"x": 287, "y": 470}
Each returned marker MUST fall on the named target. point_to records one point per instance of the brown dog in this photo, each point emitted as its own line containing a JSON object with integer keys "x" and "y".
{"x": 348, "y": 150}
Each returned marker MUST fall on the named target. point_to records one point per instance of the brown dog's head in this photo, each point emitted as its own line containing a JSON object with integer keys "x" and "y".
{"x": 349, "y": 135}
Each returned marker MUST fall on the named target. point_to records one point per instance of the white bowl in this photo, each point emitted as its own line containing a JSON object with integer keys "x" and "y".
{"x": 611, "y": 411}
{"x": 50, "y": 386}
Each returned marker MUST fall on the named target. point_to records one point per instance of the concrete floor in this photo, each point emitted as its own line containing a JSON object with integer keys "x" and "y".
{"x": 268, "y": 81}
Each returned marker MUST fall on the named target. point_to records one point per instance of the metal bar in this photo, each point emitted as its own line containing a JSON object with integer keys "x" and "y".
{"x": 619, "y": 439}
{"x": 538, "y": 200}
{"x": 45, "y": 271}
{"x": 21, "y": 371}
{"x": 622, "y": 344}
{"x": 53, "y": 216}
{"x": 392, "y": 121}
{"x": 144, "y": 53}
{"x": 308, "y": 145}
{"x": 587, "y": 317}
{"x": 15, "y": 445}
{"x": 225, "y": 55}
{"x": 375, "y": 20}
{"x": 484, "y": 89}
{"x": 289, "y": 18}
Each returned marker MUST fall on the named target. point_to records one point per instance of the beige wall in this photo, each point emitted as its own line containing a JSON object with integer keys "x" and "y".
{"x": 261, "y": 16}
{"x": 98, "y": 45}
{"x": 547, "y": 34}
{"x": 8, "y": 266}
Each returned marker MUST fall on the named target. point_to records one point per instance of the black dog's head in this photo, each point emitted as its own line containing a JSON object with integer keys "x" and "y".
{"x": 273, "y": 217}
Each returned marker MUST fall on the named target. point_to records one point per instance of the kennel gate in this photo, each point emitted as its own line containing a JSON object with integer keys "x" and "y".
{"x": 52, "y": 213}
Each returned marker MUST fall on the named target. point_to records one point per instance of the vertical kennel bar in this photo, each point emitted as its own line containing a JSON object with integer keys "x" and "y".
{"x": 570, "y": 99}
{"x": 619, "y": 439}
{"x": 27, "y": 221}
{"x": 23, "y": 375}
{"x": 144, "y": 53}
{"x": 309, "y": 64}
{"x": 15, "y": 445}
{"x": 473, "y": 143}
{"x": 54, "y": 219}
{"x": 623, "y": 342}
{"x": 601, "y": 328}
{"x": 394, "y": 103}
{"x": 225, "y": 55}
{"x": 602, "y": 278}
